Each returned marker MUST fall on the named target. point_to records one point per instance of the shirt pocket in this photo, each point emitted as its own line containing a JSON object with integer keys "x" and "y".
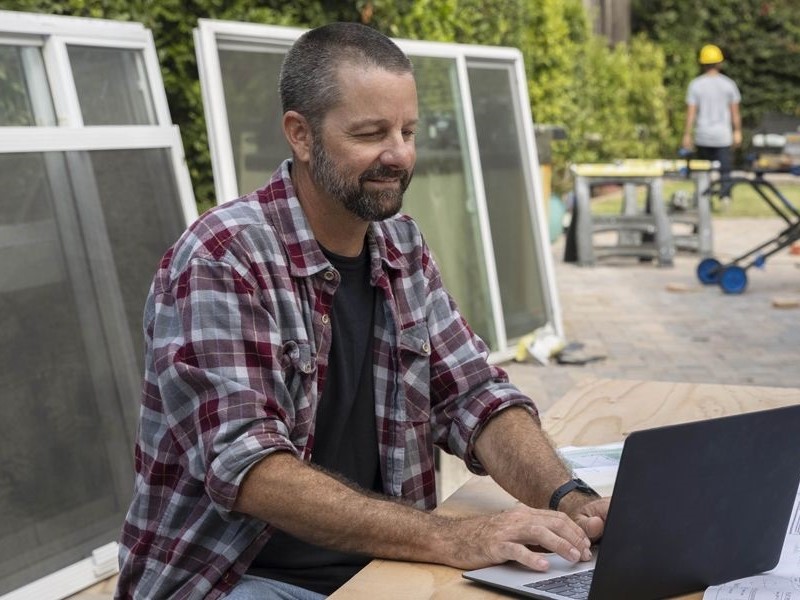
{"x": 415, "y": 372}
{"x": 299, "y": 368}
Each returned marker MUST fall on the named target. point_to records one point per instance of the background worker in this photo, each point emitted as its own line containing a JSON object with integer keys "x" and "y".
{"x": 712, "y": 109}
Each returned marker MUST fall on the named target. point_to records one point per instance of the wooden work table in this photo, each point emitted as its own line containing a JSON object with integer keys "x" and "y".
{"x": 595, "y": 412}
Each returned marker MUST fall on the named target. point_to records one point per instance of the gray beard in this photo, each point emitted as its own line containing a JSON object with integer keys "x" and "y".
{"x": 366, "y": 205}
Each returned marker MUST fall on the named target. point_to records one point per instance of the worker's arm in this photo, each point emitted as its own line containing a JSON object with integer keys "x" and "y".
{"x": 691, "y": 114}
{"x": 314, "y": 506}
{"x": 736, "y": 122}
{"x": 518, "y": 455}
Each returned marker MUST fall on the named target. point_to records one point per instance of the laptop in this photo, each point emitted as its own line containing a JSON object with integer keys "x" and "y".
{"x": 694, "y": 505}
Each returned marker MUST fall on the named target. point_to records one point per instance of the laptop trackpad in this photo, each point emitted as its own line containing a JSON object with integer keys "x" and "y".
{"x": 513, "y": 576}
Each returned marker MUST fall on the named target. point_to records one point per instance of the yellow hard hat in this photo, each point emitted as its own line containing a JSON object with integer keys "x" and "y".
{"x": 710, "y": 55}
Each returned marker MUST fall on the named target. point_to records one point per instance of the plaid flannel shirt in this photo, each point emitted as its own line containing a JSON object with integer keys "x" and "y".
{"x": 237, "y": 340}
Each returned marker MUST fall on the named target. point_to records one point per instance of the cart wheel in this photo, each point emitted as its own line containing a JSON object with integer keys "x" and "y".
{"x": 733, "y": 279}
{"x": 708, "y": 271}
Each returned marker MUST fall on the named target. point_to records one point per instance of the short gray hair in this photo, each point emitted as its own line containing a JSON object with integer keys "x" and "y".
{"x": 308, "y": 83}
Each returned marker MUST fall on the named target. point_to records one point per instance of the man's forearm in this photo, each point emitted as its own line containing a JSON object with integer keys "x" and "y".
{"x": 314, "y": 506}
{"x": 518, "y": 455}
{"x": 736, "y": 121}
{"x": 310, "y": 504}
{"x": 691, "y": 112}
{"x": 736, "y": 117}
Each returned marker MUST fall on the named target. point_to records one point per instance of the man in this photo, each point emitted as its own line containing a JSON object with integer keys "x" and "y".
{"x": 302, "y": 360}
{"x": 712, "y": 104}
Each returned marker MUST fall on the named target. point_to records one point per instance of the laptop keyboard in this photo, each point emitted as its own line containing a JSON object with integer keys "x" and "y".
{"x": 575, "y": 585}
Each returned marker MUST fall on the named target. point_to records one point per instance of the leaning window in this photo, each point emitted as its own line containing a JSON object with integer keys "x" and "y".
{"x": 94, "y": 190}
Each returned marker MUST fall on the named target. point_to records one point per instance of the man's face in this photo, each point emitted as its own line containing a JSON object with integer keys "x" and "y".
{"x": 363, "y": 156}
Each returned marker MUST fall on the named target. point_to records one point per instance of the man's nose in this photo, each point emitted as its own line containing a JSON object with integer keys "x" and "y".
{"x": 400, "y": 152}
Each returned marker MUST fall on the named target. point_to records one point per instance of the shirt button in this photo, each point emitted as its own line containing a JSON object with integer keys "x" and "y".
{"x": 426, "y": 347}
{"x": 329, "y": 275}
{"x": 326, "y": 319}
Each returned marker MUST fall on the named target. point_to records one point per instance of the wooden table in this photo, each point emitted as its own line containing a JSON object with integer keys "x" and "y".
{"x": 597, "y": 411}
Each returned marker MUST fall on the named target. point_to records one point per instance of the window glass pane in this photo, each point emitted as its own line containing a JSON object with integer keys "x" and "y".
{"x": 441, "y": 192}
{"x": 441, "y": 198}
{"x": 112, "y": 86}
{"x": 497, "y": 121}
{"x": 65, "y": 473}
{"x": 24, "y": 95}
{"x": 141, "y": 210}
{"x": 250, "y": 84}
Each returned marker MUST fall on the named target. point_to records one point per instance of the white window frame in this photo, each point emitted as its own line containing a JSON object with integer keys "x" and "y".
{"x": 211, "y": 34}
{"x": 53, "y": 34}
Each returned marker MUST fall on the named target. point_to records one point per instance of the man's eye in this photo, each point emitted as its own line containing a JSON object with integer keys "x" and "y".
{"x": 409, "y": 133}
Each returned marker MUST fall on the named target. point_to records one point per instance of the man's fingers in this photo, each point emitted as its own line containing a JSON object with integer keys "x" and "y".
{"x": 591, "y": 518}
{"x": 553, "y": 531}
{"x": 570, "y": 549}
{"x": 593, "y": 526}
{"x": 523, "y": 555}
{"x": 512, "y": 535}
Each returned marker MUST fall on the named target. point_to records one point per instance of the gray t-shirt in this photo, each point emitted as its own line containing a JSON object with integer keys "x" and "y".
{"x": 713, "y": 96}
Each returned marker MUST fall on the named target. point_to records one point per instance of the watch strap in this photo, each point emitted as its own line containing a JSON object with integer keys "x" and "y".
{"x": 572, "y": 484}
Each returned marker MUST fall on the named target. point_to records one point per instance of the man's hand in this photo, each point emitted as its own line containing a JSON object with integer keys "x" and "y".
{"x": 591, "y": 517}
{"x": 313, "y": 506}
{"x": 519, "y": 456}
{"x": 687, "y": 142}
{"x": 520, "y": 534}
{"x": 737, "y": 138}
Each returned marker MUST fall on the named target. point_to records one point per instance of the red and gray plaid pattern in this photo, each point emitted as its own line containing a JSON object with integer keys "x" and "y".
{"x": 236, "y": 353}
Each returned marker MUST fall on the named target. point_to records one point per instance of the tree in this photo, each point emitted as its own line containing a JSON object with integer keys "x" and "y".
{"x": 611, "y": 101}
{"x": 759, "y": 38}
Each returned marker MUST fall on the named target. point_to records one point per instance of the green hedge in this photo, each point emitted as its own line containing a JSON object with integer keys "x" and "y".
{"x": 759, "y": 38}
{"x": 172, "y": 22}
{"x": 614, "y": 102}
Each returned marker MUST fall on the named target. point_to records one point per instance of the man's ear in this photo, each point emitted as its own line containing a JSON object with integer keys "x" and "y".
{"x": 298, "y": 133}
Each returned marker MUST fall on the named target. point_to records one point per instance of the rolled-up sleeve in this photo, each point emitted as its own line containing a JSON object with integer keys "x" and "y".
{"x": 217, "y": 359}
{"x": 466, "y": 391}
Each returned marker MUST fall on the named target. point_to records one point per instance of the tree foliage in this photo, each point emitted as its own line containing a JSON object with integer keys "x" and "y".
{"x": 614, "y": 102}
{"x": 172, "y": 23}
{"x": 611, "y": 101}
{"x": 759, "y": 38}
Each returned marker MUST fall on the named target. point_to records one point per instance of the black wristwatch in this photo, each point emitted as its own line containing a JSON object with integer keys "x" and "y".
{"x": 572, "y": 485}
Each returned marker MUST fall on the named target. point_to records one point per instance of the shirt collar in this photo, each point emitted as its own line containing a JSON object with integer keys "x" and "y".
{"x": 283, "y": 210}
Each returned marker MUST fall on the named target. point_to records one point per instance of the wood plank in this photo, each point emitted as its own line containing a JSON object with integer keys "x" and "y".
{"x": 100, "y": 591}
{"x": 595, "y": 412}
{"x": 600, "y": 411}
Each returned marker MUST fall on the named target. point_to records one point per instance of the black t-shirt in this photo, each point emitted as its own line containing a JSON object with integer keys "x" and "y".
{"x": 345, "y": 435}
